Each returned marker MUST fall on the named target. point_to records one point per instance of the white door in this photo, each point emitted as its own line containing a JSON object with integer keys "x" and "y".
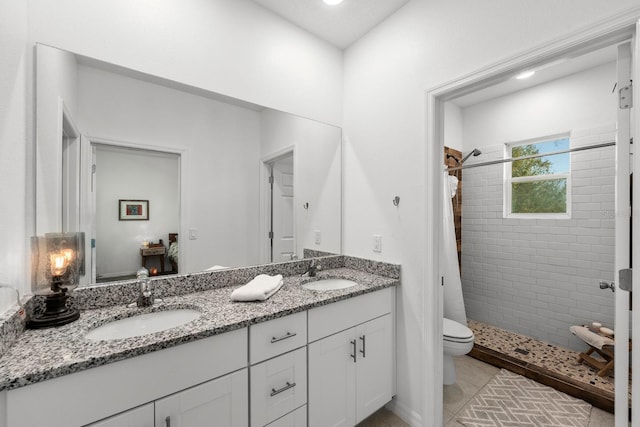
{"x": 283, "y": 243}
{"x": 635, "y": 238}
{"x": 223, "y": 402}
{"x": 622, "y": 225}
{"x": 332, "y": 379}
{"x": 374, "y": 367}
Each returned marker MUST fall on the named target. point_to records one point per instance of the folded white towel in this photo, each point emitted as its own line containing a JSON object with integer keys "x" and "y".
{"x": 258, "y": 289}
{"x": 216, "y": 267}
{"x": 590, "y": 337}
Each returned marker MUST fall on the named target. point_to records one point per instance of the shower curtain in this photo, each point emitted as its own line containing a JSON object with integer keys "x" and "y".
{"x": 453, "y": 300}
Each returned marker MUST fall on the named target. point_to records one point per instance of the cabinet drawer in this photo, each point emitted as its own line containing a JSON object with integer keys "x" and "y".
{"x": 332, "y": 318}
{"x": 278, "y": 386}
{"x": 297, "y": 418}
{"x": 277, "y": 336}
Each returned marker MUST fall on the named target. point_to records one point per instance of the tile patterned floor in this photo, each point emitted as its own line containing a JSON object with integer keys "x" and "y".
{"x": 472, "y": 376}
{"x": 557, "y": 359}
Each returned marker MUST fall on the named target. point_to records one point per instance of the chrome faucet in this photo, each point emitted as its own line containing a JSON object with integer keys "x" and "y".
{"x": 145, "y": 297}
{"x": 313, "y": 269}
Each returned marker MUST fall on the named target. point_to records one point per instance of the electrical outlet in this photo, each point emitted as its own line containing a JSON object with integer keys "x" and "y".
{"x": 318, "y": 236}
{"x": 193, "y": 234}
{"x": 377, "y": 243}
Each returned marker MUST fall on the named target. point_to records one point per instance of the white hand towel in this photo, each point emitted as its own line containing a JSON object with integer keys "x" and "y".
{"x": 258, "y": 289}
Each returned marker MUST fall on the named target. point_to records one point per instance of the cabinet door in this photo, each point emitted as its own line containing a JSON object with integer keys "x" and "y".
{"x": 332, "y": 370}
{"x": 137, "y": 417}
{"x": 218, "y": 403}
{"x": 374, "y": 386}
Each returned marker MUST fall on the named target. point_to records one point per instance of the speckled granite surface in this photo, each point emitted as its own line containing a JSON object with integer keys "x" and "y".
{"x": 38, "y": 355}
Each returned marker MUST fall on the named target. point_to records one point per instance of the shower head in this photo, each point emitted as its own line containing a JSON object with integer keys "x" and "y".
{"x": 475, "y": 153}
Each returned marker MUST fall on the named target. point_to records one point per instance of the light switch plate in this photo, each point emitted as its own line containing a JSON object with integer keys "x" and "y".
{"x": 377, "y": 243}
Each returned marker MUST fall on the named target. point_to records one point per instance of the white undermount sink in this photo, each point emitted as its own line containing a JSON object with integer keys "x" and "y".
{"x": 329, "y": 284}
{"x": 143, "y": 324}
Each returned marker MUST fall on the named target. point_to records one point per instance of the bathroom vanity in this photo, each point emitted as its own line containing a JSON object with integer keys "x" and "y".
{"x": 299, "y": 358}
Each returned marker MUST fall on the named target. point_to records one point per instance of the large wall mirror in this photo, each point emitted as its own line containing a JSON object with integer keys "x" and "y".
{"x": 130, "y": 159}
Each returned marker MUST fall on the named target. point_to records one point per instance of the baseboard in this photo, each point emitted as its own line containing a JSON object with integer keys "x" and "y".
{"x": 407, "y": 415}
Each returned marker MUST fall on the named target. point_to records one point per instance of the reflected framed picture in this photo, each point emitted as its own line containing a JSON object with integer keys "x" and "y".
{"x": 133, "y": 210}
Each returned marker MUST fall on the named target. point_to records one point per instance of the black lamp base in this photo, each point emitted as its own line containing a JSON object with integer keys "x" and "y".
{"x": 56, "y": 313}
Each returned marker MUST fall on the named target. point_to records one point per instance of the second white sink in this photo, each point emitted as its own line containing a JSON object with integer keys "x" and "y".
{"x": 143, "y": 324}
{"x": 329, "y": 284}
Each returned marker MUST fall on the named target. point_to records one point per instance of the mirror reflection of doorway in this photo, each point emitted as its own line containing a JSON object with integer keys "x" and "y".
{"x": 282, "y": 221}
{"x": 123, "y": 173}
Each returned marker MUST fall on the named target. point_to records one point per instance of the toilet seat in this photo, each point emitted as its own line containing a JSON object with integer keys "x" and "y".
{"x": 456, "y": 332}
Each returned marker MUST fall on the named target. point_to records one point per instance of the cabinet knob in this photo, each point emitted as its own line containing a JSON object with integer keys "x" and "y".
{"x": 167, "y": 421}
{"x": 364, "y": 344}
{"x": 353, "y": 343}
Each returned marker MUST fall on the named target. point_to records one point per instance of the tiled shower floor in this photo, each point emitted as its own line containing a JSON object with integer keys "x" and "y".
{"x": 557, "y": 366}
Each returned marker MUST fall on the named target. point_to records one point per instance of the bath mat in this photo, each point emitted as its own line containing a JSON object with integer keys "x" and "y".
{"x": 513, "y": 400}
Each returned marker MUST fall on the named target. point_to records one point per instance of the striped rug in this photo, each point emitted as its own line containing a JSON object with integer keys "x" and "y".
{"x": 513, "y": 400}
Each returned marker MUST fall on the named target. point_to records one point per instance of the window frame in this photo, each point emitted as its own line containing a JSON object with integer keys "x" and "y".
{"x": 508, "y": 180}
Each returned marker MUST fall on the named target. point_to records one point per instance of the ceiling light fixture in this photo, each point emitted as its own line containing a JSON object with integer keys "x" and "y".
{"x": 525, "y": 74}
{"x": 332, "y": 2}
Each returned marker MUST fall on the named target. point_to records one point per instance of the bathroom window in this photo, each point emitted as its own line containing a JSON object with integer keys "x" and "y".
{"x": 538, "y": 187}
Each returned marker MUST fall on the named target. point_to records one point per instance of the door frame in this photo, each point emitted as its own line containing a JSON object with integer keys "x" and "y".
{"x": 265, "y": 200}
{"x": 87, "y": 195}
{"x": 604, "y": 33}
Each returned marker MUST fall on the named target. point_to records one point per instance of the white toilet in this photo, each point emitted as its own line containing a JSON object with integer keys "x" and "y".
{"x": 458, "y": 340}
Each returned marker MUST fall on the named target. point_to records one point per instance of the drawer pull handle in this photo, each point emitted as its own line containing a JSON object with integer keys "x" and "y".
{"x": 353, "y": 343}
{"x": 284, "y": 337}
{"x": 167, "y": 421}
{"x": 280, "y": 390}
{"x": 364, "y": 344}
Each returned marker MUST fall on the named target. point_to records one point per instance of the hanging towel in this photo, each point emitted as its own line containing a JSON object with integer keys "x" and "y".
{"x": 258, "y": 289}
{"x": 453, "y": 185}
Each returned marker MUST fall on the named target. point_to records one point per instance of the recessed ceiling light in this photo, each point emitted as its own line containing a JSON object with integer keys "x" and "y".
{"x": 332, "y": 2}
{"x": 525, "y": 74}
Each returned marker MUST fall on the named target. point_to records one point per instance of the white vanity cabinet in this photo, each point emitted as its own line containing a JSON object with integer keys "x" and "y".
{"x": 95, "y": 394}
{"x": 351, "y": 362}
{"x": 330, "y": 365}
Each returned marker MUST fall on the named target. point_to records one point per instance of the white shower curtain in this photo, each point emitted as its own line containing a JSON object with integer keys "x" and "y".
{"x": 453, "y": 300}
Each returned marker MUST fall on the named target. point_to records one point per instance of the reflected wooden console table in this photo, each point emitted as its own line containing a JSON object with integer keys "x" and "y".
{"x": 153, "y": 251}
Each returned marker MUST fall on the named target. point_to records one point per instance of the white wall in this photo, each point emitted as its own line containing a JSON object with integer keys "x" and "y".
{"x": 220, "y": 148}
{"x": 579, "y": 101}
{"x": 133, "y": 175}
{"x": 235, "y": 48}
{"x": 54, "y": 88}
{"x": 317, "y": 175}
{"x": 453, "y": 127}
{"x": 14, "y": 225}
{"x": 386, "y": 73}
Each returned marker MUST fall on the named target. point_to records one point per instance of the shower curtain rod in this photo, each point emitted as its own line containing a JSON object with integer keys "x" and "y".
{"x": 533, "y": 156}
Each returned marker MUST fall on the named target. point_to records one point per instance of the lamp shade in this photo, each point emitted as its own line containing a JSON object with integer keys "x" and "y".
{"x": 56, "y": 262}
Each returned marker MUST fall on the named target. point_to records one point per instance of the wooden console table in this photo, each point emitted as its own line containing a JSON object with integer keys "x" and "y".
{"x": 153, "y": 251}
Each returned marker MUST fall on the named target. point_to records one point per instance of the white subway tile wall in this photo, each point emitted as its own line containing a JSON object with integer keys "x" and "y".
{"x": 540, "y": 276}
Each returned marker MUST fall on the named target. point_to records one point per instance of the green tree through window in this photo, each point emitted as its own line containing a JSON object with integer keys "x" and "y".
{"x": 539, "y": 185}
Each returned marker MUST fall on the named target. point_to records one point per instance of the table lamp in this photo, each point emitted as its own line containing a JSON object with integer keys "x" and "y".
{"x": 56, "y": 261}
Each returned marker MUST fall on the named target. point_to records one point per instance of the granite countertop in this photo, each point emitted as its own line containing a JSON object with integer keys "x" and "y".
{"x": 44, "y": 354}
